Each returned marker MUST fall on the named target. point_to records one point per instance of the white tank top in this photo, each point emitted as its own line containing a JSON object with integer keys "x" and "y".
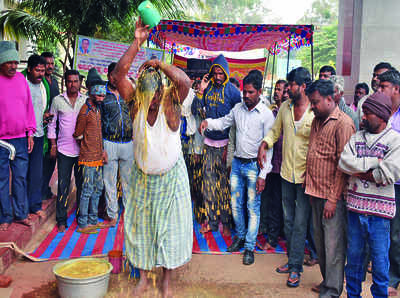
{"x": 157, "y": 148}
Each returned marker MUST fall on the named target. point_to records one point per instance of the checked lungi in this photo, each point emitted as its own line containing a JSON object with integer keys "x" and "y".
{"x": 158, "y": 219}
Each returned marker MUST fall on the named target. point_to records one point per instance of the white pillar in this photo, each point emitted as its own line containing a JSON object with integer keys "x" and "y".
{"x": 368, "y": 33}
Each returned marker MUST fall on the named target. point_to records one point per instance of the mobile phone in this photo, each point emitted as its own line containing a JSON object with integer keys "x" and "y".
{"x": 48, "y": 118}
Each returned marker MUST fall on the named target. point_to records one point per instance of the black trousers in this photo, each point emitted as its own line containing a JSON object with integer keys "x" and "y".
{"x": 34, "y": 177}
{"x": 64, "y": 166}
{"x": 271, "y": 218}
{"x": 48, "y": 169}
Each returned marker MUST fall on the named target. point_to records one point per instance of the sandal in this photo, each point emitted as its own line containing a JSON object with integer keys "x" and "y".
{"x": 87, "y": 230}
{"x": 316, "y": 288}
{"x": 293, "y": 280}
{"x": 283, "y": 269}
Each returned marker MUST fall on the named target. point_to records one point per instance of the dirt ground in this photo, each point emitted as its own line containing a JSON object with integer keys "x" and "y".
{"x": 204, "y": 276}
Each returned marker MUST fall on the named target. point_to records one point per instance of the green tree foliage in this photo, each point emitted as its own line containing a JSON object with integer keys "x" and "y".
{"x": 52, "y": 22}
{"x": 322, "y": 12}
{"x": 233, "y": 11}
{"x": 324, "y": 15}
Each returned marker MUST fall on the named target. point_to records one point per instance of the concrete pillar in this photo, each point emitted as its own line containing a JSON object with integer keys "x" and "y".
{"x": 368, "y": 33}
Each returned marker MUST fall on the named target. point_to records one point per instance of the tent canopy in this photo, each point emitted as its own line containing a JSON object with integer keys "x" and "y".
{"x": 231, "y": 37}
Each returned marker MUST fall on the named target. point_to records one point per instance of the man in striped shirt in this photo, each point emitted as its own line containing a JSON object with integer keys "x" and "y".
{"x": 324, "y": 183}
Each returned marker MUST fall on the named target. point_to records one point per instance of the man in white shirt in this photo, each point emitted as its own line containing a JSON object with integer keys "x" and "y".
{"x": 252, "y": 120}
{"x": 34, "y": 75}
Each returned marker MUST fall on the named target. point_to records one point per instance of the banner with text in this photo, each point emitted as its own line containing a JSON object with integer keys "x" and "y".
{"x": 91, "y": 52}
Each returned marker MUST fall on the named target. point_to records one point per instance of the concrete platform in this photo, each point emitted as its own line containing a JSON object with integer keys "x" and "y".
{"x": 21, "y": 234}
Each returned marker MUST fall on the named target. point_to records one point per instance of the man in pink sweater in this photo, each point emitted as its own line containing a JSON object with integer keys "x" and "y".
{"x": 17, "y": 126}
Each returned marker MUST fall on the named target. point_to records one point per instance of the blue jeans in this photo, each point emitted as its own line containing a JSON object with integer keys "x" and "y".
{"x": 92, "y": 187}
{"x": 35, "y": 176}
{"x": 296, "y": 216}
{"x": 245, "y": 175}
{"x": 19, "y": 170}
{"x": 376, "y": 231}
{"x": 394, "y": 252}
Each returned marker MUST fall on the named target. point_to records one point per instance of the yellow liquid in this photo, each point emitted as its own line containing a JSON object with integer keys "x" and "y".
{"x": 83, "y": 269}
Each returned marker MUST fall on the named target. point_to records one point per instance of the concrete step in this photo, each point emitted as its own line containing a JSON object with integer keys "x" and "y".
{"x": 21, "y": 234}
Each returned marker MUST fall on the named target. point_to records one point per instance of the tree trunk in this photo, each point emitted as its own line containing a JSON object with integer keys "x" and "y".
{"x": 65, "y": 59}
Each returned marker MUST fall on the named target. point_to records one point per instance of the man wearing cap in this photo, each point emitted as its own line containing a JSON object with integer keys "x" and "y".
{"x": 17, "y": 126}
{"x": 389, "y": 83}
{"x": 65, "y": 108}
{"x": 371, "y": 157}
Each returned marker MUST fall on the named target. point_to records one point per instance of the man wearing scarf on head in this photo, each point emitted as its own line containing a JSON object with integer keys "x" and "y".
{"x": 91, "y": 154}
{"x": 372, "y": 158}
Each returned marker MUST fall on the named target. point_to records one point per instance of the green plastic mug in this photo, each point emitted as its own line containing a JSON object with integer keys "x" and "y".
{"x": 149, "y": 14}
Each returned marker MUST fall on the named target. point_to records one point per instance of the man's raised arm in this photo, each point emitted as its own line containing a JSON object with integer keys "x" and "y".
{"x": 124, "y": 86}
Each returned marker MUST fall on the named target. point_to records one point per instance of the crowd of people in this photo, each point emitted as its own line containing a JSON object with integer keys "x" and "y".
{"x": 306, "y": 166}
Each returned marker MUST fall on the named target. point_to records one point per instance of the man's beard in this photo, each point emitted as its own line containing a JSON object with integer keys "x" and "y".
{"x": 294, "y": 96}
{"x": 366, "y": 126}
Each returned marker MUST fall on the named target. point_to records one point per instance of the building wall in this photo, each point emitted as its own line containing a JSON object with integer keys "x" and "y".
{"x": 373, "y": 30}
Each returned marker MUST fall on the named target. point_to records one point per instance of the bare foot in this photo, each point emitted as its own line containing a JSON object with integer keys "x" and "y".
{"x": 4, "y": 226}
{"x": 227, "y": 231}
{"x": 61, "y": 229}
{"x": 5, "y": 281}
{"x": 392, "y": 291}
{"x": 25, "y": 222}
{"x": 205, "y": 228}
{"x": 40, "y": 213}
{"x": 266, "y": 246}
{"x": 142, "y": 285}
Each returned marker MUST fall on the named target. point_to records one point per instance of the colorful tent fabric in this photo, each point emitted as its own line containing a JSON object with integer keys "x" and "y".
{"x": 230, "y": 37}
{"x": 238, "y": 68}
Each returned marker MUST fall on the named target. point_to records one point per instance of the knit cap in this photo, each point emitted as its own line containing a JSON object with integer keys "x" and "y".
{"x": 93, "y": 78}
{"x": 8, "y": 52}
{"x": 379, "y": 104}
